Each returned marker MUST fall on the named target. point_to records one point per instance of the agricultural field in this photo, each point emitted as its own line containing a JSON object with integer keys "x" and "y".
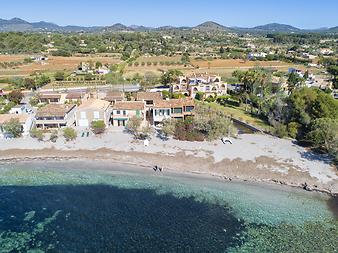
{"x": 54, "y": 63}
{"x": 237, "y": 63}
{"x": 155, "y": 65}
{"x": 222, "y": 67}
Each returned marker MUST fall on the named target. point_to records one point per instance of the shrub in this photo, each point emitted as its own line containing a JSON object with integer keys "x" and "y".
{"x": 228, "y": 100}
{"x": 33, "y": 101}
{"x": 281, "y": 130}
{"x": 293, "y": 128}
{"x": 185, "y": 131}
{"x": 15, "y": 96}
{"x": 165, "y": 94}
{"x": 59, "y": 76}
{"x": 13, "y": 127}
{"x": 28, "y": 60}
{"x": 54, "y": 136}
{"x": 7, "y": 107}
{"x": 37, "y": 133}
{"x": 324, "y": 134}
{"x": 168, "y": 128}
{"x": 69, "y": 134}
{"x": 98, "y": 126}
{"x": 199, "y": 95}
{"x": 133, "y": 125}
{"x": 145, "y": 132}
{"x": 210, "y": 99}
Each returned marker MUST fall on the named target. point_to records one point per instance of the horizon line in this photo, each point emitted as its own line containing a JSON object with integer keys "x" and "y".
{"x": 128, "y": 25}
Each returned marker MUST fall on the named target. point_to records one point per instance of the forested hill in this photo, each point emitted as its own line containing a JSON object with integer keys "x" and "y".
{"x": 20, "y": 25}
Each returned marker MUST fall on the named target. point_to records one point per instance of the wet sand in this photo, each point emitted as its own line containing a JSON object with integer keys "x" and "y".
{"x": 258, "y": 170}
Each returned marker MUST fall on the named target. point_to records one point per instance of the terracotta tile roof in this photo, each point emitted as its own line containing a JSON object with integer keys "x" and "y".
{"x": 74, "y": 95}
{"x": 172, "y": 103}
{"x": 129, "y": 105}
{"x": 148, "y": 96}
{"x": 7, "y": 117}
{"x": 94, "y": 104}
{"x": 114, "y": 95}
{"x": 52, "y": 110}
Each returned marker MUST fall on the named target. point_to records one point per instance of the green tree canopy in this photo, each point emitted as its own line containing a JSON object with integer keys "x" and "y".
{"x": 59, "y": 76}
{"x": 170, "y": 76}
{"x": 69, "y": 133}
{"x": 98, "y": 126}
{"x": 13, "y": 127}
{"x": 15, "y": 96}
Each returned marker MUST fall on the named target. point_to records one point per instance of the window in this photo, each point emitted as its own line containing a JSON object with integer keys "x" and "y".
{"x": 124, "y": 113}
{"x": 96, "y": 115}
{"x": 168, "y": 112}
{"x": 118, "y": 112}
{"x": 177, "y": 110}
{"x": 138, "y": 113}
{"x": 83, "y": 115}
{"x": 189, "y": 108}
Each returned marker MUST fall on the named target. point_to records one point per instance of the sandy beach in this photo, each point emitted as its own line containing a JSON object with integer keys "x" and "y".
{"x": 251, "y": 157}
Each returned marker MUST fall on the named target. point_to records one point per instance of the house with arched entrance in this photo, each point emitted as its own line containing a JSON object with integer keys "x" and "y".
{"x": 209, "y": 85}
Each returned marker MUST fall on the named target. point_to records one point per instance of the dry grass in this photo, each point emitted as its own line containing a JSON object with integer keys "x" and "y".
{"x": 237, "y": 63}
{"x": 54, "y": 63}
{"x": 158, "y": 59}
{"x": 223, "y": 67}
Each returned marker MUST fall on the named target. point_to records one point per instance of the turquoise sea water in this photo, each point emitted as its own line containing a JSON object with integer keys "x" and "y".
{"x": 97, "y": 207}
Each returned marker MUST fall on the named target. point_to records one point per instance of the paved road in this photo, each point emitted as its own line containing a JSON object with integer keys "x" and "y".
{"x": 100, "y": 88}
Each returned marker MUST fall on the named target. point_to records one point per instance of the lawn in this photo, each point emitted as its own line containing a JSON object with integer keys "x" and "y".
{"x": 239, "y": 113}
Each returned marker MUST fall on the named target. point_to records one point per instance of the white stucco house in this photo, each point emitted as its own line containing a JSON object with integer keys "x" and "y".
{"x": 26, "y": 121}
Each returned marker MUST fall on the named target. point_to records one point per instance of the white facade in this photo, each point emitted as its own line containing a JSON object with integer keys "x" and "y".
{"x": 210, "y": 85}
{"x": 20, "y": 109}
{"x": 26, "y": 121}
{"x": 160, "y": 114}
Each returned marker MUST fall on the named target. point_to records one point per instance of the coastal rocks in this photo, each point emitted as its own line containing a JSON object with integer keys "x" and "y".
{"x": 306, "y": 187}
{"x": 278, "y": 182}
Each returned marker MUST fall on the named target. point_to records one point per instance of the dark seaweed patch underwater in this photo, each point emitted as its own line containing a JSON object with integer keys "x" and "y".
{"x": 103, "y": 218}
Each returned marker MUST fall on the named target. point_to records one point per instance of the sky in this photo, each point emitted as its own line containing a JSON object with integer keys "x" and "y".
{"x": 242, "y": 13}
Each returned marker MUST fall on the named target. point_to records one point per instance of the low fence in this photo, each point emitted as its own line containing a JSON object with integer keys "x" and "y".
{"x": 243, "y": 124}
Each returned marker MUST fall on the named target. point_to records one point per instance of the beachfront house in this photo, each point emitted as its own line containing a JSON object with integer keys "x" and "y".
{"x": 75, "y": 97}
{"x": 113, "y": 96}
{"x": 172, "y": 108}
{"x": 124, "y": 110}
{"x": 55, "y": 116}
{"x": 48, "y": 98}
{"x": 92, "y": 110}
{"x": 26, "y": 121}
{"x": 208, "y": 85}
{"x": 149, "y": 97}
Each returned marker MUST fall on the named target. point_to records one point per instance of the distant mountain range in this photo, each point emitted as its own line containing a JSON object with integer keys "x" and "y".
{"x": 20, "y": 25}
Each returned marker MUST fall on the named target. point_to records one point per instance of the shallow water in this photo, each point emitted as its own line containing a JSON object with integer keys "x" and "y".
{"x": 90, "y": 207}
